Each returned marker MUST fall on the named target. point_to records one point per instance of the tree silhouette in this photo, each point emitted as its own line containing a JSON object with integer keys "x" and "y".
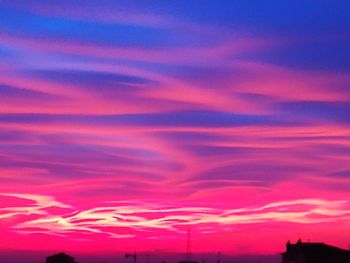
{"x": 60, "y": 258}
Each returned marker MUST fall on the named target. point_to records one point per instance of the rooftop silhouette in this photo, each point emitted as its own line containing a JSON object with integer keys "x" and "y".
{"x": 307, "y": 252}
{"x": 60, "y": 258}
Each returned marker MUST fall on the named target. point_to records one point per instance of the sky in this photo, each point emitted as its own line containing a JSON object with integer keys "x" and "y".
{"x": 125, "y": 123}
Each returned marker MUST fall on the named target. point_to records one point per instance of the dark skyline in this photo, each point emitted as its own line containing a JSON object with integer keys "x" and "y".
{"x": 124, "y": 123}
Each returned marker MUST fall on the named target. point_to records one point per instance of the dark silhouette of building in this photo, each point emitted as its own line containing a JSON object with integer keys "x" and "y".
{"x": 306, "y": 252}
{"x": 60, "y": 258}
{"x": 133, "y": 256}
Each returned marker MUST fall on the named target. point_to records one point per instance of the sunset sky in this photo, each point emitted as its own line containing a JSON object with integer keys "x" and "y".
{"x": 124, "y": 123}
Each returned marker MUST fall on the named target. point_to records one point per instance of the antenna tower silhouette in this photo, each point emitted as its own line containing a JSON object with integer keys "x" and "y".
{"x": 188, "y": 249}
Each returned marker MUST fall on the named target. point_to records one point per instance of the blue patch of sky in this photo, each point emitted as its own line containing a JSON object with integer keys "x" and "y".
{"x": 330, "y": 54}
{"x": 186, "y": 119}
{"x": 21, "y": 23}
{"x": 334, "y": 112}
